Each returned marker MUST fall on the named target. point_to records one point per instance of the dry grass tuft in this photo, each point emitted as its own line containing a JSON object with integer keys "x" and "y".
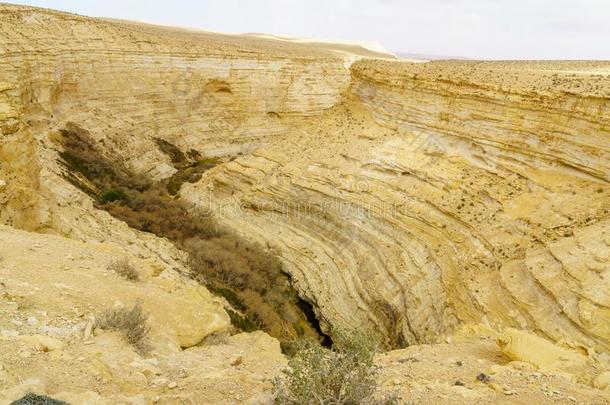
{"x": 123, "y": 268}
{"x": 131, "y": 322}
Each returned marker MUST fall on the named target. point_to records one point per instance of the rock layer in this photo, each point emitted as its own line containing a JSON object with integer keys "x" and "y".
{"x": 438, "y": 194}
{"x": 406, "y": 198}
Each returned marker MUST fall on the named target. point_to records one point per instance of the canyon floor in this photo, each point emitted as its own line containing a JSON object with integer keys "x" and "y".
{"x": 266, "y": 190}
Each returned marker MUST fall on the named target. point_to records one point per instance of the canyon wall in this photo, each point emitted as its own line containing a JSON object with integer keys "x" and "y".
{"x": 439, "y": 194}
{"x": 405, "y": 198}
{"x": 129, "y": 84}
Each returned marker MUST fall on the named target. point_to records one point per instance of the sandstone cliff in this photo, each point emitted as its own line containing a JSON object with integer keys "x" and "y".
{"x": 412, "y": 199}
{"x": 442, "y": 193}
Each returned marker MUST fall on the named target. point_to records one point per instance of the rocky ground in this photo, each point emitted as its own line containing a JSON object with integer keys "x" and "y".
{"x": 53, "y": 289}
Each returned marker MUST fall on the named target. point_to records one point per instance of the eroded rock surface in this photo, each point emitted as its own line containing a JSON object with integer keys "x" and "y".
{"x": 412, "y": 199}
{"x": 437, "y": 194}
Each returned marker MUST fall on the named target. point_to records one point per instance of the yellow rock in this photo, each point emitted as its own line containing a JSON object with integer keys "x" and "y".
{"x": 43, "y": 343}
{"x": 545, "y": 355}
{"x": 602, "y": 381}
{"x": 182, "y": 312}
{"x": 522, "y": 346}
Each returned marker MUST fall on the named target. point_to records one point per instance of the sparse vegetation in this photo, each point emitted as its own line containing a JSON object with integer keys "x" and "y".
{"x": 33, "y": 399}
{"x": 342, "y": 375}
{"x": 123, "y": 268}
{"x": 112, "y": 195}
{"x": 249, "y": 277}
{"x": 191, "y": 173}
{"x": 246, "y": 323}
{"x": 131, "y": 322}
{"x": 174, "y": 153}
{"x": 190, "y": 165}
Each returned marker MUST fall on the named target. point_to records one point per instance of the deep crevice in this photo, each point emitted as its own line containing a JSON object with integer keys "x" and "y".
{"x": 251, "y": 279}
{"x": 309, "y": 311}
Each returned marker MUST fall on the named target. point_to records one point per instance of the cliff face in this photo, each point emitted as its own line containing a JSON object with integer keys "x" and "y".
{"x": 441, "y": 193}
{"x": 510, "y": 179}
{"x": 128, "y": 85}
{"x": 406, "y": 198}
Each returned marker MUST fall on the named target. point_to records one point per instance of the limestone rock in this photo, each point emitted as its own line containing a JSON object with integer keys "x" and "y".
{"x": 602, "y": 381}
{"x": 420, "y": 203}
{"x": 411, "y": 199}
{"x": 421, "y": 197}
{"x": 182, "y": 312}
{"x": 522, "y": 346}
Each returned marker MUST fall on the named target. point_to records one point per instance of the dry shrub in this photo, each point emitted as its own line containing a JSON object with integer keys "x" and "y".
{"x": 123, "y": 268}
{"x": 192, "y": 173}
{"x": 190, "y": 165}
{"x": 250, "y": 277}
{"x": 154, "y": 211}
{"x": 131, "y": 322}
{"x": 81, "y": 156}
{"x": 175, "y": 154}
{"x": 342, "y": 375}
{"x": 252, "y": 281}
{"x": 112, "y": 195}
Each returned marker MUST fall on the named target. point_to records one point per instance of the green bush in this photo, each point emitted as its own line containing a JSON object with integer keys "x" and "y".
{"x": 111, "y": 195}
{"x": 230, "y": 295}
{"x": 342, "y": 375}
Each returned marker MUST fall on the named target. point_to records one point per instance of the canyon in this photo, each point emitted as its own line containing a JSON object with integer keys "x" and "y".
{"x": 458, "y": 208}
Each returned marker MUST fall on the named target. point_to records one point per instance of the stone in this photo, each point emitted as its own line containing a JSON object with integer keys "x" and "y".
{"x": 602, "y": 381}
{"x": 88, "y": 330}
{"x": 543, "y": 354}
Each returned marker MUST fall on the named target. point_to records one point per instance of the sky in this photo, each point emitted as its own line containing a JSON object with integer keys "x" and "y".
{"x": 479, "y": 29}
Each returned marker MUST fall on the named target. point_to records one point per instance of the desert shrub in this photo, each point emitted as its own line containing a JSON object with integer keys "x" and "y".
{"x": 174, "y": 153}
{"x": 123, "y": 268}
{"x": 81, "y": 156}
{"x": 33, "y": 399}
{"x": 190, "y": 165}
{"x": 131, "y": 322}
{"x": 230, "y": 296}
{"x": 189, "y": 174}
{"x": 253, "y": 282}
{"x": 111, "y": 195}
{"x": 156, "y": 212}
{"x": 342, "y": 375}
{"x": 246, "y": 323}
{"x": 248, "y": 275}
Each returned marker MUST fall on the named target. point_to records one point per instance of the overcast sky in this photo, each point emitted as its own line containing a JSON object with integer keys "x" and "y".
{"x": 493, "y": 29}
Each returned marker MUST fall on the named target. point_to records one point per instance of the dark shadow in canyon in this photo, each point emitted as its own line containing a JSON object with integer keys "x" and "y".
{"x": 248, "y": 276}
{"x": 309, "y": 311}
